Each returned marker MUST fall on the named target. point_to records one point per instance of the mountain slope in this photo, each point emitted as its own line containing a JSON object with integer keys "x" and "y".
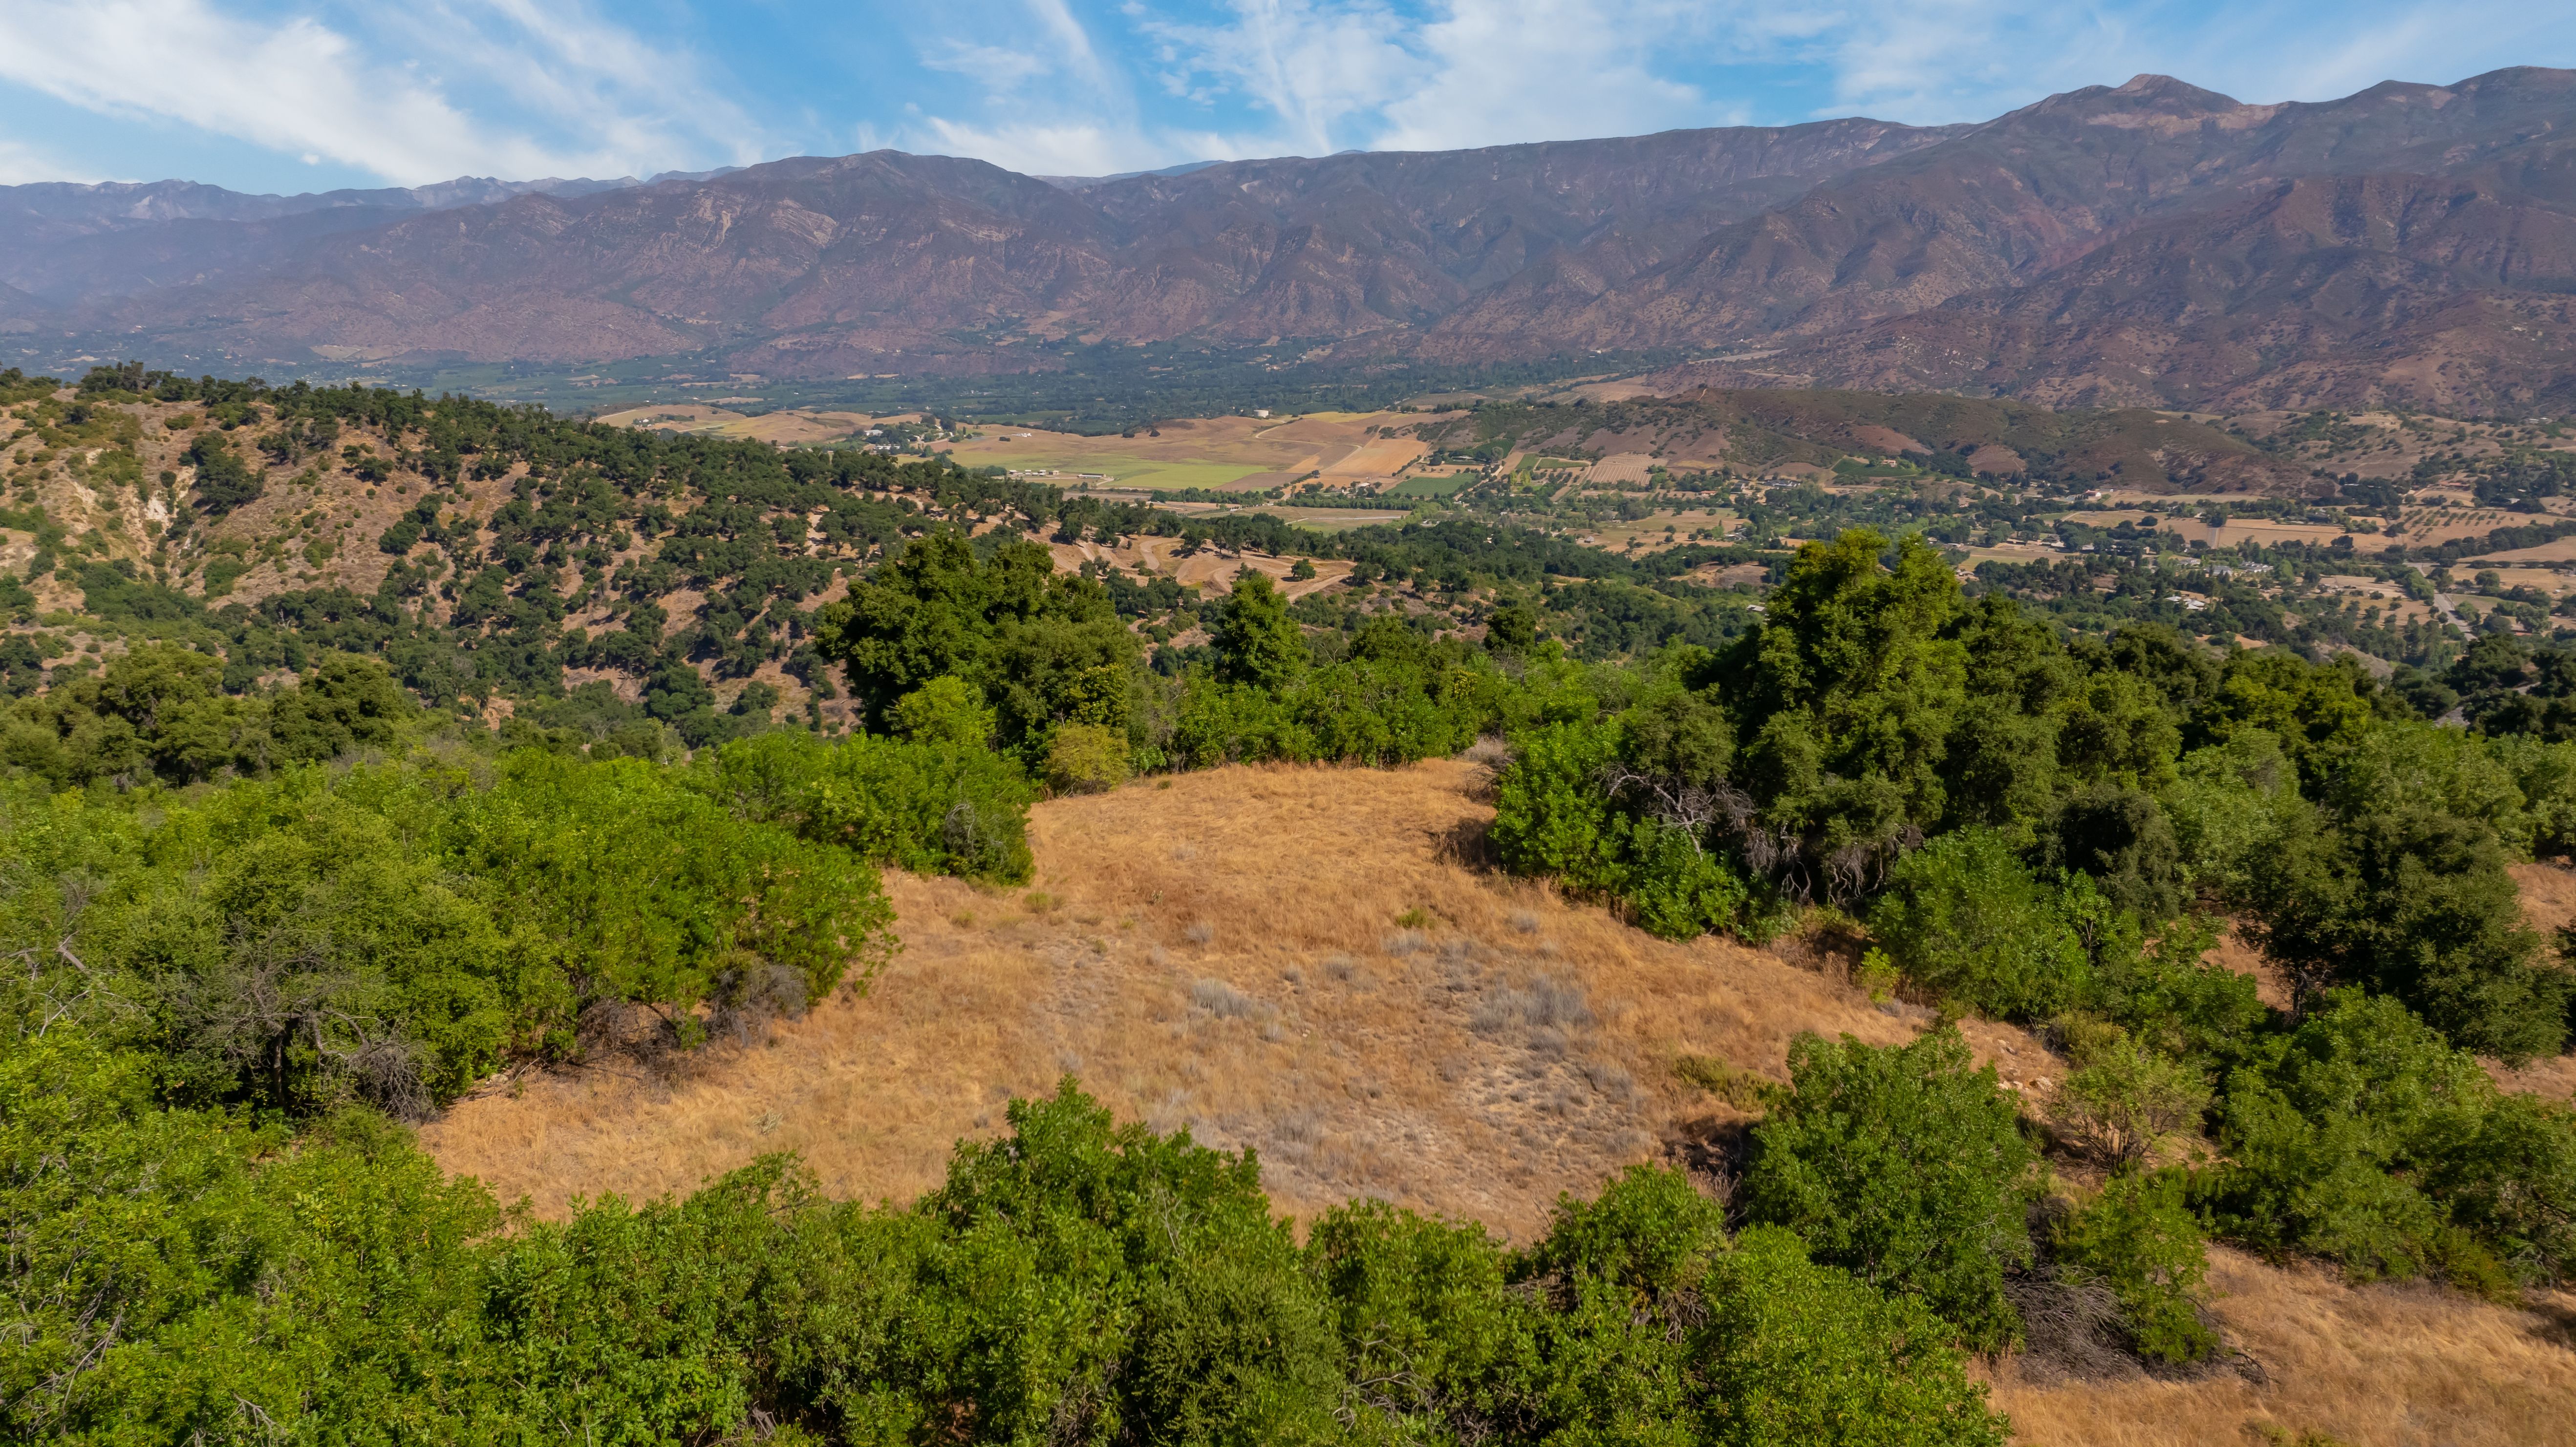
{"x": 2146, "y": 243}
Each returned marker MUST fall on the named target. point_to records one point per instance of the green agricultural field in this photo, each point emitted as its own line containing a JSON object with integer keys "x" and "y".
{"x": 1334, "y": 519}
{"x": 1431, "y": 486}
{"x": 1144, "y": 472}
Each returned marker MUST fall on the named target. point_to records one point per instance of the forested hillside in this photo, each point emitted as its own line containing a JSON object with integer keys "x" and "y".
{"x": 290, "y": 862}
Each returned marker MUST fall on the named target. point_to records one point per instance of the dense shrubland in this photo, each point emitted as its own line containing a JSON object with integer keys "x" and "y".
{"x": 247, "y": 925}
{"x": 192, "y": 1275}
{"x": 2045, "y": 829}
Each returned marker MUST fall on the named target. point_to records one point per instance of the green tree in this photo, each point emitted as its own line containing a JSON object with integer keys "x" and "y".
{"x": 2415, "y": 902}
{"x": 2317, "y": 714}
{"x": 343, "y": 702}
{"x": 1257, "y": 643}
{"x": 1847, "y": 691}
{"x": 224, "y": 481}
{"x": 946, "y": 710}
{"x": 1040, "y": 645}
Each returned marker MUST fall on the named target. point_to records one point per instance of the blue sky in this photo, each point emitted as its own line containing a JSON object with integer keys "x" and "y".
{"x": 264, "y": 96}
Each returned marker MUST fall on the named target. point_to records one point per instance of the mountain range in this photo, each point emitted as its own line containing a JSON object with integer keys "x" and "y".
{"x": 2150, "y": 243}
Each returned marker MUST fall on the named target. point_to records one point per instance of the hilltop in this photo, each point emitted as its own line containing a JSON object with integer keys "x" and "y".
{"x": 1315, "y": 964}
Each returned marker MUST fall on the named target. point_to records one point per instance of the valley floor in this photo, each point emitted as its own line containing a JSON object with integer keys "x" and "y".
{"x": 1310, "y": 962}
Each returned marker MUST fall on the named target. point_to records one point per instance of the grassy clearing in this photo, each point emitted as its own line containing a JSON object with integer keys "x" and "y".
{"x": 1229, "y": 953}
{"x": 1126, "y": 469}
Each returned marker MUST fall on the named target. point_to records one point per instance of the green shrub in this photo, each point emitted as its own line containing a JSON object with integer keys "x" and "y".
{"x": 176, "y": 1274}
{"x": 1650, "y": 1233}
{"x": 932, "y": 808}
{"x": 1085, "y": 759}
{"x": 946, "y": 710}
{"x": 2513, "y": 1186}
{"x": 2365, "y": 1139}
{"x": 632, "y": 887}
{"x": 2123, "y": 1098}
{"x": 1797, "y": 1352}
{"x": 1742, "y": 1089}
{"x": 1426, "y": 1326}
{"x": 1903, "y": 1167}
{"x": 2172, "y": 1001}
{"x": 1552, "y": 816}
{"x": 2227, "y": 802}
{"x": 158, "y": 712}
{"x": 2140, "y": 1240}
{"x": 2545, "y": 775}
{"x": 1964, "y": 919}
{"x": 1104, "y": 1274}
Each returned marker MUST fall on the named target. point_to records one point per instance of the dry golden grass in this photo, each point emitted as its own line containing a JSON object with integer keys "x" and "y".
{"x": 1230, "y": 953}
{"x": 2373, "y": 1367}
{"x": 1225, "y": 953}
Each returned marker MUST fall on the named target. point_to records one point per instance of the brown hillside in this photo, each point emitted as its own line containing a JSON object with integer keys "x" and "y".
{"x": 1228, "y": 953}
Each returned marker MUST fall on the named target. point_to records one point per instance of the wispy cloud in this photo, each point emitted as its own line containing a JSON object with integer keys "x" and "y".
{"x": 1037, "y": 148}
{"x": 1311, "y": 77}
{"x": 1536, "y": 70}
{"x": 997, "y": 67}
{"x": 1314, "y": 69}
{"x": 427, "y": 89}
{"x": 613, "y": 97}
{"x": 302, "y": 88}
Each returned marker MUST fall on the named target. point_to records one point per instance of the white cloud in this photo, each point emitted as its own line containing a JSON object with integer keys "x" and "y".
{"x": 1335, "y": 74}
{"x": 303, "y": 89}
{"x": 626, "y": 104}
{"x": 998, "y": 68}
{"x": 1315, "y": 67}
{"x": 1949, "y": 60}
{"x": 1537, "y": 70}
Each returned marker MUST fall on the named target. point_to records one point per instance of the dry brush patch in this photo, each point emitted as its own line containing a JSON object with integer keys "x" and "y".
{"x": 2381, "y": 1366}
